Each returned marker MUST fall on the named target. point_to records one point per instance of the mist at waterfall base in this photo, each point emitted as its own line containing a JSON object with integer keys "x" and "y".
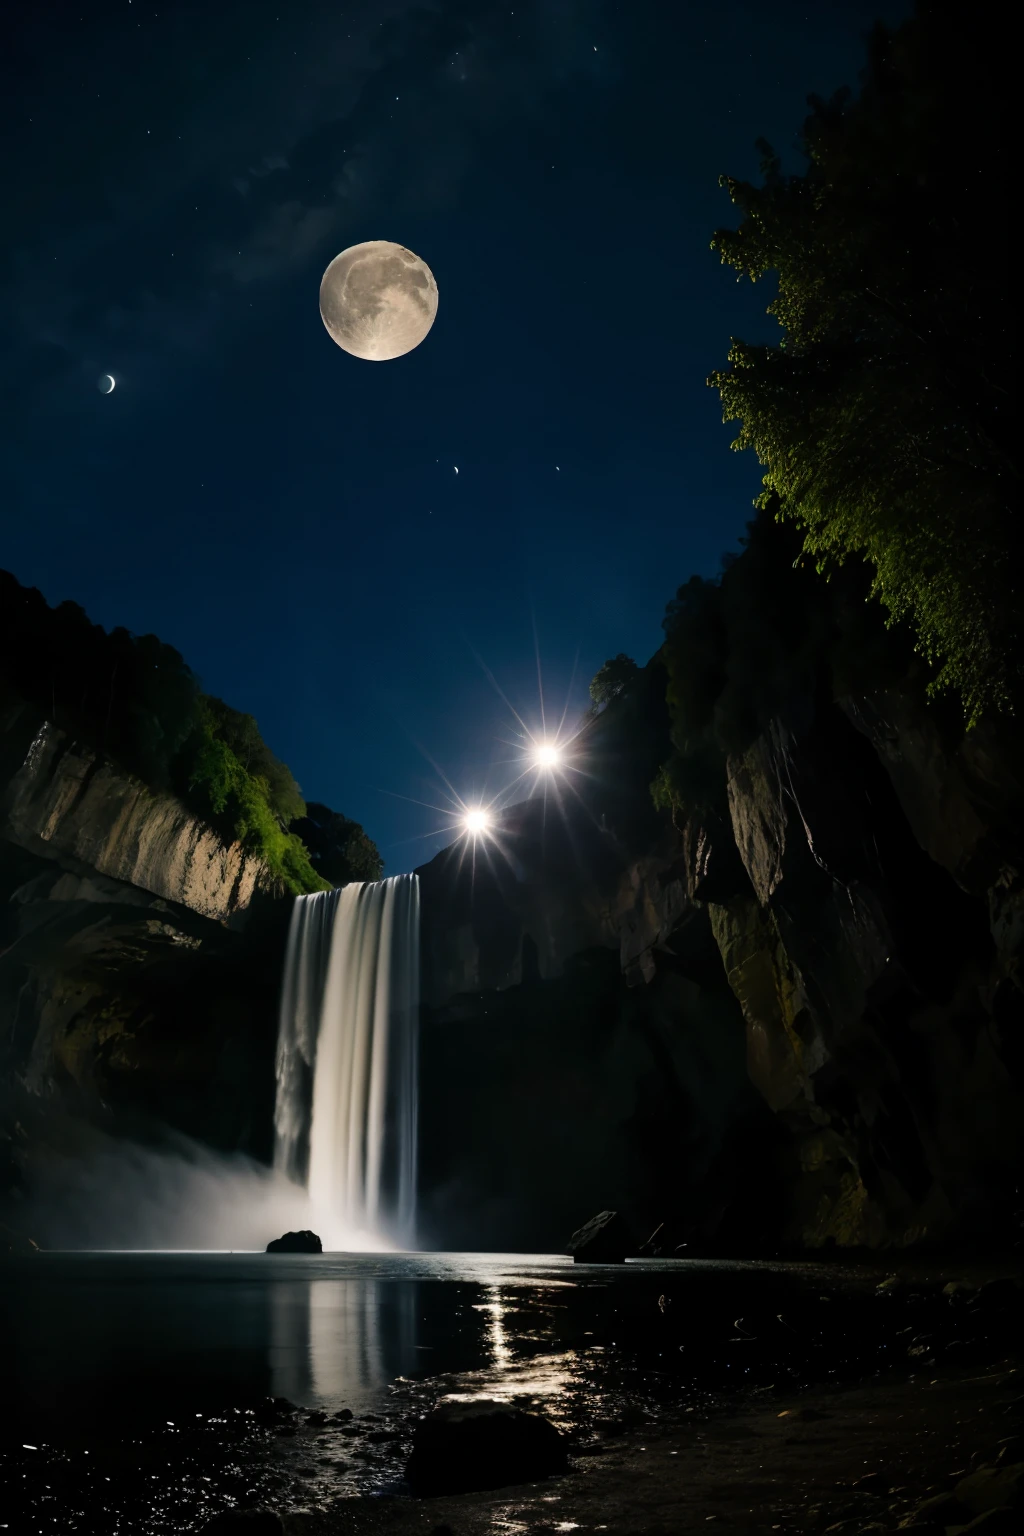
{"x": 109, "y": 1193}
{"x": 345, "y": 1114}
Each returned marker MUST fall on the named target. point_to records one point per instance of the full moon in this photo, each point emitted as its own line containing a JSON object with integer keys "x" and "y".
{"x": 105, "y": 383}
{"x": 378, "y": 300}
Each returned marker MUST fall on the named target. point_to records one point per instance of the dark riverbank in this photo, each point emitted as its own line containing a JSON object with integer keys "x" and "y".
{"x": 853, "y": 1459}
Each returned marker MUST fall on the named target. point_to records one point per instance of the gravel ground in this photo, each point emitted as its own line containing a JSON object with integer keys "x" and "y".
{"x": 855, "y": 1459}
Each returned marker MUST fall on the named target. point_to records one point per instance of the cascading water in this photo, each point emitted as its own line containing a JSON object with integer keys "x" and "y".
{"x": 347, "y": 1059}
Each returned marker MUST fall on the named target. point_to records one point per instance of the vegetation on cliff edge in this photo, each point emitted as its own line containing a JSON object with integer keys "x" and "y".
{"x": 135, "y": 698}
{"x": 757, "y": 643}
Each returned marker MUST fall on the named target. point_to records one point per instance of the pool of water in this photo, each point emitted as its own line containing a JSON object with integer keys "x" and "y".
{"x": 142, "y": 1380}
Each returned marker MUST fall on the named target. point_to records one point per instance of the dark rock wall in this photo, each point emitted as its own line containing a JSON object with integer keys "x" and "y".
{"x": 549, "y": 1098}
{"x": 853, "y": 934}
{"x": 867, "y": 973}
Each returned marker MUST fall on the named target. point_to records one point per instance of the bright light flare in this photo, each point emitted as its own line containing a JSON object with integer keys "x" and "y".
{"x": 476, "y": 822}
{"x": 547, "y": 754}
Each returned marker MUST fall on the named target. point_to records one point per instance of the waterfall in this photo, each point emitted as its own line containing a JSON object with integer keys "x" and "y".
{"x": 345, "y": 1114}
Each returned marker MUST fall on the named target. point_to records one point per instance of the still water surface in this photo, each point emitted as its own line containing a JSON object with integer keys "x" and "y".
{"x": 208, "y": 1330}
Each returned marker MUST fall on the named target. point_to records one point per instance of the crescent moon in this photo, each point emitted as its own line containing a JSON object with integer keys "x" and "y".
{"x": 106, "y": 383}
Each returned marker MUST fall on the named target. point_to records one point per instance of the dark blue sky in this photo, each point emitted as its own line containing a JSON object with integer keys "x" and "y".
{"x": 289, "y": 517}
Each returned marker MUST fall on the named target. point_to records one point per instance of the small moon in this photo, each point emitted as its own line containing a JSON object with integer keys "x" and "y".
{"x": 378, "y": 300}
{"x": 105, "y": 383}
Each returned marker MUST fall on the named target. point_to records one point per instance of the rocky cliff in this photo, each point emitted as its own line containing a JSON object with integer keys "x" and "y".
{"x": 852, "y": 932}
{"x": 796, "y": 1018}
{"x": 139, "y": 956}
{"x": 66, "y": 803}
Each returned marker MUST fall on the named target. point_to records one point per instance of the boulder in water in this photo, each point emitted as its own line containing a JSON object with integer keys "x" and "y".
{"x": 461, "y": 1447}
{"x": 296, "y": 1242}
{"x": 604, "y": 1239}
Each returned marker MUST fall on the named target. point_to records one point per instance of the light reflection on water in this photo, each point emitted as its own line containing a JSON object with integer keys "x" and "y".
{"x": 114, "y": 1358}
{"x": 541, "y": 1378}
{"x": 134, "y": 1333}
{"x": 338, "y": 1342}
{"x": 326, "y": 1331}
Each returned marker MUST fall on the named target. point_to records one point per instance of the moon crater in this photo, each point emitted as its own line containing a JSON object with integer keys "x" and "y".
{"x": 378, "y": 300}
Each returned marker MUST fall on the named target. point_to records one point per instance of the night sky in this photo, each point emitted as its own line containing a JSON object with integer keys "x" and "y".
{"x": 178, "y": 176}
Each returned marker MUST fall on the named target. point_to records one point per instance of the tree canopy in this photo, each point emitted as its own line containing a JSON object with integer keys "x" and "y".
{"x": 241, "y": 733}
{"x": 758, "y": 642}
{"x": 883, "y": 414}
{"x": 613, "y": 678}
{"x": 339, "y": 848}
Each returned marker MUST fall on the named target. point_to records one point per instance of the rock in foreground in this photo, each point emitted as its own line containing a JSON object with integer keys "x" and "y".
{"x": 296, "y": 1242}
{"x": 244, "y": 1522}
{"x": 463, "y": 1447}
{"x": 604, "y": 1239}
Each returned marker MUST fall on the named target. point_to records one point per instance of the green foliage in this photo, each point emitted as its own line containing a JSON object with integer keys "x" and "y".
{"x": 241, "y": 734}
{"x": 134, "y": 698}
{"x": 241, "y": 801}
{"x": 882, "y": 416}
{"x": 613, "y": 679}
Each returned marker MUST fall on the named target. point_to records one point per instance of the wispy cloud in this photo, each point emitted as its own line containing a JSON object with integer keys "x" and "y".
{"x": 282, "y": 241}
{"x": 285, "y": 154}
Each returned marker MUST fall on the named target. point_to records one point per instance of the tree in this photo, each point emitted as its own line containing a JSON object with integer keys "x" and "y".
{"x": 339, "y": 848}
{"x": 242, "y": 735}
{"x": 882, "y": 416}
{"x": 613, "y": 678}
{"x": 218, "y": 779}
{"x": 755, "y": 645}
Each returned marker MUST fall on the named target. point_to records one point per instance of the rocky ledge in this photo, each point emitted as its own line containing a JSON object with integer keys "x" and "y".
{"x": 66, "y": 803}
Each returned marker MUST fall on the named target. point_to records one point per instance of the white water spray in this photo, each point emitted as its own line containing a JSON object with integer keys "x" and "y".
{"x": 347, "y": 1060}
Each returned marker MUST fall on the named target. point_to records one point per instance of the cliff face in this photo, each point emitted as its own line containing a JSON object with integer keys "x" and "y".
{"x": 138, "y": 955}
{"x": 581, "y": 1047}
{"x": 854, "y": 931}
{"x": 876, "y": 964}
{"x": 66, "y": 803}
{"x": 797, "y": 1019}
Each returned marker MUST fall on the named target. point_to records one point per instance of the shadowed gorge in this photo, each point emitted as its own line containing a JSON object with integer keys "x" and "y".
{"x": 774, "y": 1001}
{"x": 746, "y": 967}
{"x": 612, "y": 1119}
